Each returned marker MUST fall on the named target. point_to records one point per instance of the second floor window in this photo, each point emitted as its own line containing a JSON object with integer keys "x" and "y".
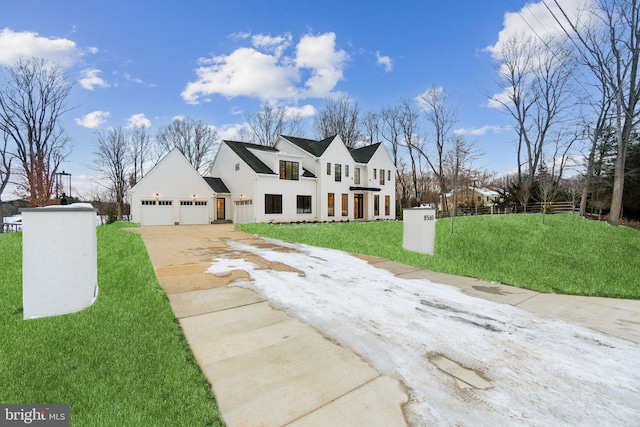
{"x": 289, "y": 170}
{"x": 381, "y": 176}
{"x": 338, "y": 173}
{"x": 356, "y": 176}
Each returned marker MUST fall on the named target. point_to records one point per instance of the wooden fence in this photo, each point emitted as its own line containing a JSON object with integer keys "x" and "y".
{"x": 552, "y": 208}
{"x": 8, "y": 227}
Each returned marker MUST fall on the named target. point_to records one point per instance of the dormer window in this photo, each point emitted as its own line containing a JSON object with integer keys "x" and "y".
{"x": 289, "y": 170}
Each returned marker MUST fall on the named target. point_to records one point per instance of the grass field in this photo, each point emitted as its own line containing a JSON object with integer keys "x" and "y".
{"x": 566, "y": 255}
{"x": 122, "y": 362}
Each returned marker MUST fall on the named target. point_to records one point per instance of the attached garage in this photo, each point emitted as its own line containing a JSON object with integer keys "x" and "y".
{"x": 156, "y": 212}
{"x": 194, "y": 212}
{"x": 243, "y": 211}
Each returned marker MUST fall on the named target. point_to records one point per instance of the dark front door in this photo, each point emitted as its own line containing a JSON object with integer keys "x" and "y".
{"x": 220, "y": 208}
{"x": 358, "y": 206}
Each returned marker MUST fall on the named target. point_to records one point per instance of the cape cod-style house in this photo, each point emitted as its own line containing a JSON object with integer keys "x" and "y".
{"x": 296, "y": 179}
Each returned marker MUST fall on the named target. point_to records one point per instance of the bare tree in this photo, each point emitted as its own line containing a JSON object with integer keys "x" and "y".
{"x": 547, "y": 189}
{"x": 32, "y": 102}
{"x": 195, "y": 140}
{"x": 340, "y": 117}
{"x": 139, "y": 151}
{"x": 371, "y": 124}
{"x": 5, "y": 172}
{"x": 272, "y": 122}
{"x": 458, "y": 164}
{"x": 608, "y": 41}
{"x": 113, "y": 161}
{"x": 535, "y": 78}
{"x": 408, "y": 121}
{"x": 442, "y": 116}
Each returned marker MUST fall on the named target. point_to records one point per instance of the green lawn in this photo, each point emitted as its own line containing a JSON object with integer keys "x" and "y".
{"x": 566, "y": 255}
{"x": 122, "y": 362}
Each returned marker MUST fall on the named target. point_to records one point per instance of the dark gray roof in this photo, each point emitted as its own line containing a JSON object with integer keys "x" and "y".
{"x": 241, "y": 149}
{"x": 216, "y": 185}
{"x": 311, "y": 146}
{"x": 307, "y": 174}
{"x": 364, "y": 154}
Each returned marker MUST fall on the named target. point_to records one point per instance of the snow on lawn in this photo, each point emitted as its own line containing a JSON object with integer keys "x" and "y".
{"x": 542, "y": 371}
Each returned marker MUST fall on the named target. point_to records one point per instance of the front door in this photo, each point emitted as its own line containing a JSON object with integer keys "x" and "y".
{"x": 220, "y": 208}
{"x": 358, "y": 206}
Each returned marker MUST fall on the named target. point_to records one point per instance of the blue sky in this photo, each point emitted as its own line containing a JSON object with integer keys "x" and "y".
{"x": 148, "y": 62}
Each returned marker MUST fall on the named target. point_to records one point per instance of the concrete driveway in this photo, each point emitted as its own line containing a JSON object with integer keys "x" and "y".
{"x": 266, "y": 368}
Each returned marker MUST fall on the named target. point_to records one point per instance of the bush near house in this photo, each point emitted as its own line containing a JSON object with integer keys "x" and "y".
{"x": 566, "y": 255}
{"x": 121, "y": 362}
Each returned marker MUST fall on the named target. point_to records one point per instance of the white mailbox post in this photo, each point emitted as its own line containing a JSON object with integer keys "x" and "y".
{"x": 59, "y": 259}
{"x": 419, "y": 230}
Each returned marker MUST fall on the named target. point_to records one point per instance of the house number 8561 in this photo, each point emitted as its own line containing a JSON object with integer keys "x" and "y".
{"x": 429, "y": 217}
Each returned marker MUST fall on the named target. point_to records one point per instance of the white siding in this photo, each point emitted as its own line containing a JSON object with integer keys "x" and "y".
{"x": 172, "y": 179}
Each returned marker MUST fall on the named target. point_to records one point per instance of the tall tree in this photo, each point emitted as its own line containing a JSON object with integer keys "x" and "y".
{"x": 139, "y": 151}
{"x": 5, "y": 171}
{"x": 442, "y": 115}
{"x": 32, "y": 101}
{"x": 535, "y": 77}
{"x": 458, "y": 162}
{"x": 113, "y": 161}
{"x": 608, "y": 41}
{"x": 371, "y": 125}
{"x": 272, "y": 122}
{"x": 340, "y": 117}
{"x": 195, "y": 140}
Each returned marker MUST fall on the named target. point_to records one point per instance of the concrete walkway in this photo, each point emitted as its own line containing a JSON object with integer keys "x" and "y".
{"x": 269, "y": 369}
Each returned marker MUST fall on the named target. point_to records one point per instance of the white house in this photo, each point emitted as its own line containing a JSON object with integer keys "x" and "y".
{"x": 173, "y": 192}
{"x": 295, "y": 180}
{"x": 306, "y": 180}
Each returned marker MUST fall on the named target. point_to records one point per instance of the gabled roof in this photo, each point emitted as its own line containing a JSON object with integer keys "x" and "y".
{"x": 216, "y": 185}
{"x": 242, "y": 150}
{"x": 307, "y": 174}
{"x": 309, "y": 145}
{"x": 364, "y": 154}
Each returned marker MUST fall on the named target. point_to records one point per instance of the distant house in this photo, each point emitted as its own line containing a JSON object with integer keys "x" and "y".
{"x": 296, "y": 179}
{"x": 475, "y": 196}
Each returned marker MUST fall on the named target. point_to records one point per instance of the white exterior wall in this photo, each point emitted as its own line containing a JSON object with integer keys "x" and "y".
{"x": 289, "y": 190}
{"x": 336, "y": 153}
{"x": 382, "y": 161}
{"x": 174, "y": 179}
{"x": 241, "y": 182}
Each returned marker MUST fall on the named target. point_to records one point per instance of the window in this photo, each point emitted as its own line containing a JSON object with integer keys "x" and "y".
{"x": 356, "y": 176}
{"x": 303, "y": 204}
{"x": 331, "y": 204}
{"x": 289, "y": 170}
{"x": 387, "y": 205}
{"x": 338, "y": 172}
{"x": 186, "y": 203}
{"x": 328, "y": 168}
{"x": 273, "y": 203}
{"x": 389, "y": 175}
{"x": 165, "y": 202}
{"x": 200, "y": 203}
{"x": 346, "y": 170}
{"x": 381, "y": 176}
{"x": 345, "y": 204}
{"x": 376, "y": 205}
{"x": 374, "y": 174}
{"x": 148, "y": 202}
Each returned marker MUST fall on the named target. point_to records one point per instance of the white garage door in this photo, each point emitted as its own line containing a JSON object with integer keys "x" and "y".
{"x": 156, "y": 212}
{"x": 243, "y": 212}
{"x": 194, "y": 212}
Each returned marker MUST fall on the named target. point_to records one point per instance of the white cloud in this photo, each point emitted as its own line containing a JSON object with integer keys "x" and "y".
{"x": 385, "y": 61}
{"x": 234, "y": 132}
{"x": 26, "y": 44}
{"x": 90, "y": 78}
{"x": 304, "y": 111}
{"x": 93, "y": 120}
{"x": 263, "y": 71}
{"x": 535, "y": 20}
{"x": 482, "y": 130}
{"x": 138, "y": 121}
